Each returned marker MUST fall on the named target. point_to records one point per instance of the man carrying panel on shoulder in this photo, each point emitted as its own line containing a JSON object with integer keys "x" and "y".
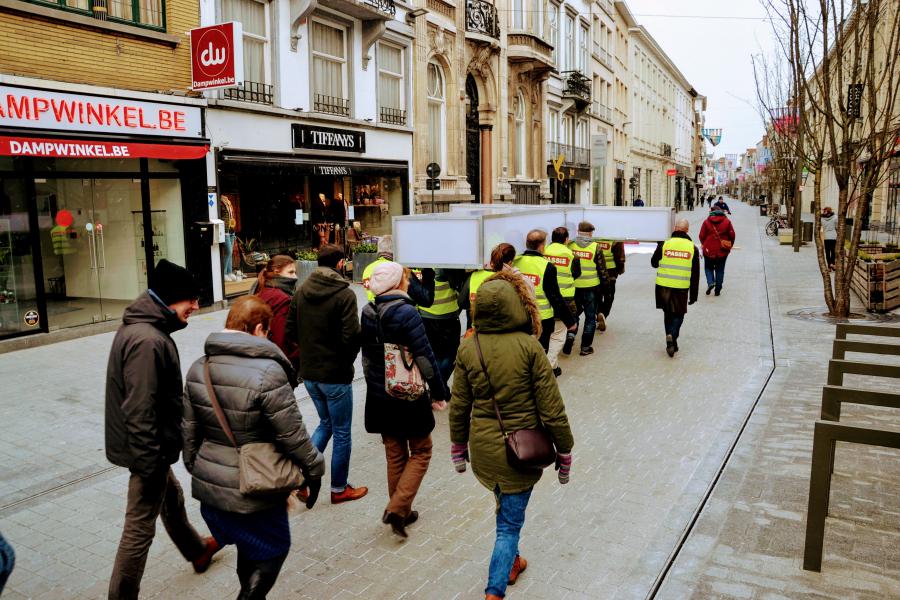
{"x": 568, "y": 270}
{"x": 542, "y": 273}
{"x": 587, "y": 286}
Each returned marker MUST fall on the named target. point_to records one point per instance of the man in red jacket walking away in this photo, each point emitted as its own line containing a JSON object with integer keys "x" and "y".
{"x": 717, "y": 239}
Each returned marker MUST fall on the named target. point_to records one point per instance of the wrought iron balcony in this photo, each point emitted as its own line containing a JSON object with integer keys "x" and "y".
{"x": 577, "y": 87}
{"x": 394, "y": 116}
{"x": 366, "y": 10}
{"x": 251, "y": 91}
{"x": 665, "y": 149}
{"x": 332, "y": 105}
{"x": 572, "y": 155}
{"x": 385, "y": 6}
{"x": 481, "y": 17}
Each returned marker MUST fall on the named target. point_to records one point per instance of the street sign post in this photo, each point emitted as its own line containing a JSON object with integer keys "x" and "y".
{"x": 433, "y": 170}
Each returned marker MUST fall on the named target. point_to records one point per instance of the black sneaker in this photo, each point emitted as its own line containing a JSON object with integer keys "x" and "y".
{"x": 670, "y": 346}
{"x": 718, "y": 292}
{"x": 709, "y": 289}
{"x": 676, "y": 346}
{"x": 570, "y": 341}
{"x": 557, "y": 371}
{"x": 586, "y": 351}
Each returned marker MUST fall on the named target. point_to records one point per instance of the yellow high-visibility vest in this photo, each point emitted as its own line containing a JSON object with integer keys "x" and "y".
{"x": 674, "y": 269}
{"x": 533, "y": 267}
{"x": 367, "y": 275}
{"x": 445, "y": 300}
{"x": 589, "y": 276}
{"x": 562, "y": 258}
{"x": 475, "y": 281}
{"x": 606, "y": 246}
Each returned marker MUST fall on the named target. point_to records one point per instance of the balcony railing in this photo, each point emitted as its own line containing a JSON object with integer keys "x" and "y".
{"x": 393, "y": 116}
{"x": 572, "y": 155}
{"x": 526, "y": 193}
{"x": 332, "y": 105}
{"x": 576, "y": 86}
{"x": 596, "y": 48}
{"x": 665, "y": 149}
{"x": 481, "y": 17}
{"x": 252, "y": 91}
{"x": 385, "y": 6}
{"x": 603, "y": 112}
{"x": 605, "y": 58}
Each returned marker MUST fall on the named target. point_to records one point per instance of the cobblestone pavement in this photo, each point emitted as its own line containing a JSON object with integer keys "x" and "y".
{"x": 748, "y": 541}
{"x": 651, "y": 433}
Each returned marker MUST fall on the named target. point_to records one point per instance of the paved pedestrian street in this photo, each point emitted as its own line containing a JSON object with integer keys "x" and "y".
{"x": 651, "y": 435}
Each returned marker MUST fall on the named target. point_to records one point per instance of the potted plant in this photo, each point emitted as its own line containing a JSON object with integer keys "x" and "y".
{"x": 363, "y": 255}
{"x": 307, "y": 261}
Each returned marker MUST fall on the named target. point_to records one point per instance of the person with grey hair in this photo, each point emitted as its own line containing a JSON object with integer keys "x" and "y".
{"x": 677, "y": 280}
{"x": 421, "y": 287}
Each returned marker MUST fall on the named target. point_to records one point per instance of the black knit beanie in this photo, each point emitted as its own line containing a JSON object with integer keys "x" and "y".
{"x": 173, "y": 283}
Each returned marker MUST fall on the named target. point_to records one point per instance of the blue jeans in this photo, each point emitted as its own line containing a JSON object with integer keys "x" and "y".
{"x": 673, "y": 324}
{"x": 510, "y": 519}
{"x": 229, "y": 252}
{"x": 715, "y": 272}
{"x": 446, "y": 366}
{"x": 334, "y": 403}
{"x": 586, "y": 301}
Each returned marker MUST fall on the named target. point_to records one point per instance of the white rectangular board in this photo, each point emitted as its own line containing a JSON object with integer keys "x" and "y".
{"x": 642, "y": 224}
{"x": 512, "y": 228}
{"x": 443, "y": 240}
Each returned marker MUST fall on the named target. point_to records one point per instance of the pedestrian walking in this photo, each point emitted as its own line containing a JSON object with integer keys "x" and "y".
{"x": 143, "y": 425}
{"x": 610, "y": 266}
{"x": 242, "y": 392}
{"x": 276, "y": 285}
{"x": 542, "y": 274}
{"x": 587, "y": 251}
{"x": 639, "y": 201}
{"x": 7, "y": 561}
{"x": 325, "y": 322}
{"x": 721, "y": 205}
{"x": 441, "y": 319}
{"x": 716, "y": 238}
{"x": 503, "y": 381}
{"x": 829, "y": 234}
{"x": 502, "y": 257}
{"x": 677, "y": 280}
{"x": 568, "y": 270}
{"x": 392, "y": 325}
{"x": 421, "y": 287}
{"x": 690, "y": 202}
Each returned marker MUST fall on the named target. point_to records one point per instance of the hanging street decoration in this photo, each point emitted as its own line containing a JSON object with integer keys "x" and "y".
{"x": 713, "y": 136}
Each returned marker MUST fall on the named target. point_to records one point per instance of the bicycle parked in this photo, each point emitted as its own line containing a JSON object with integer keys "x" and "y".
{"x": 775, "y": 223}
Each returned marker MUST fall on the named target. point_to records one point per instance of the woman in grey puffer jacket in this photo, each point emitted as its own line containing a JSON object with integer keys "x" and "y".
{"x": 254, "y": 384}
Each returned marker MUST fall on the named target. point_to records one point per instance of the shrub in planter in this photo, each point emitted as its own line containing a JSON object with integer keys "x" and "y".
{"x": 307, "y": 261}
{"x": 363, "y": 256}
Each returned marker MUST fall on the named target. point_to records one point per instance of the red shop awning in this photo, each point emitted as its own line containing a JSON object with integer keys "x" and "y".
{"x": 62, "y": 148}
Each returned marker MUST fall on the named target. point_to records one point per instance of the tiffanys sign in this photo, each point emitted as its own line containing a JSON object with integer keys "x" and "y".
{"x": 326, "y": 138}
{"x": 217, "y": 56}
{"x": 40, "y": 109}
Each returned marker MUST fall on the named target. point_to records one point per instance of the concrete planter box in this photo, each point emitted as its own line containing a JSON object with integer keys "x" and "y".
{"x": 305, "y": 269}
{"x": 361, "y": 260}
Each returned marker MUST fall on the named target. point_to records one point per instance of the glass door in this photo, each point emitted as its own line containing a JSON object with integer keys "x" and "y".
{"x": 88, "y": 248}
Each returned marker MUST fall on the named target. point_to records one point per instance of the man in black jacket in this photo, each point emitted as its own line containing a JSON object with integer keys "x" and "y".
{"x": 325, "y": 322}
{"x": 143, "y": 425}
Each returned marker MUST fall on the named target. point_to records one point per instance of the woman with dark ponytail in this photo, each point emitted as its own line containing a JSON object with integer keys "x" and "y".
{"x": 275, "y": 287}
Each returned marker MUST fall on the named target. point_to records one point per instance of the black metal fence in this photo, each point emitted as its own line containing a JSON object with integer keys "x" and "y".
{"x": 481, "y": 17}
{"x": 332, "y": 105}
{"x": 251, "y": 91}
{"x": 393, "y": 116}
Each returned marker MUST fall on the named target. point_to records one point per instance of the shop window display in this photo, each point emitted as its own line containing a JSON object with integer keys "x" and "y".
{"x": 18, "y": 305}
{"x": 375, "y": 201}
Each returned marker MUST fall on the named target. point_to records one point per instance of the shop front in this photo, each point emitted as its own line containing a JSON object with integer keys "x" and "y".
{"x": 305, "y": 185}
{"x": 566, "y": 185}
{"x": 94, "y": 190}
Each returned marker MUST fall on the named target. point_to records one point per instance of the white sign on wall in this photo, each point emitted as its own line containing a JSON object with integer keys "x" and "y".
{"x": 598, "y": 150}
{"x": 43, "y": 109}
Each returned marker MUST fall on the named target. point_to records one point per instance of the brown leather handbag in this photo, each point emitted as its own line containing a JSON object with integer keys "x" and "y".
{"x": 526, "y": 449}
{"x": 263, "y": 469}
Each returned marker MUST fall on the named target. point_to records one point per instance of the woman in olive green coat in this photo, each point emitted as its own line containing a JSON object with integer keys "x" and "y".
{"x": 506, "y": 321}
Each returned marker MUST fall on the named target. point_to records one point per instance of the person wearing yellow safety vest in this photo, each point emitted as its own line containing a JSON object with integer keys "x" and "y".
{"x": 441, "y": 319}
{"x": 421, "y": 287}
{"x": 614, "y": 263}
{"x": 568, "y": 270}
{"x": 677, "y": 280}
{"x": 587, "y": 286}
{"x": 502, "y": 256}
{"x": 543, "y": 275}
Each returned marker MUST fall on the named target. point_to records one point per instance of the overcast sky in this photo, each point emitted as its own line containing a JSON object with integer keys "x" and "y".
{"x": 711, "y": 44}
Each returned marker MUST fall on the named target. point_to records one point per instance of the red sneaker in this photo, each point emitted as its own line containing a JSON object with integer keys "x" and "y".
{"x": 518, "y": 568}
{"x": 349, "y": 493}
{"x": 201, "y": 564}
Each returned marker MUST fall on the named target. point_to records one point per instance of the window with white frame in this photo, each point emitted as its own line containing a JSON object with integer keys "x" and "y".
{"x": 518, "y": 15}
{"x": 330, "y": 79}
{"x": 553, "y": 133}
{"x": 520, "y": 134}
{"x": 554, "y": 31}
{"x": 391, "y": 91}
{"x": 254, "y": 18}
{"x": 584, "y": 51}
{"x": 567, "y": 132}
{"x": 537, "y": 17}
{"x": 436, "y": 91}
{"x": 569, "y": 59}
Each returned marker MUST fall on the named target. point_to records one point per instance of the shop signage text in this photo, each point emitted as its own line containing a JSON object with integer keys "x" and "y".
{"x": 671, "y": 172}
{"x": 39, "y": 109}
{"x": 326, "y": 138}
{"x": 217, "y": 56}
{"x": 58, "y": 148}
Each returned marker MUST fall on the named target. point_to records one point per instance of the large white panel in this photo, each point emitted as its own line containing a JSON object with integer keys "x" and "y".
{"x": 512, "y": 228}
{"x": 438, "y": 241}
{"x": 643, "y": 224}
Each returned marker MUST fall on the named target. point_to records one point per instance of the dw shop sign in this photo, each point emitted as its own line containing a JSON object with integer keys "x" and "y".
{"x": 217, "y": 56}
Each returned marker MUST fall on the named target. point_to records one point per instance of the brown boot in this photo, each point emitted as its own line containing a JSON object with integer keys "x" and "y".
{"x": 492, "y": 597}
{"x": 201, "y": 564}
{"x": 349, "y": 493}
{"x": 518, "y": 568}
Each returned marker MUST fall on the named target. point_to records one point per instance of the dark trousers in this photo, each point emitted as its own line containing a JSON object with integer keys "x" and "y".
{"x": 586, "y": 301}
{"x": 673, "y": 324}
{"x": 829, "y": 251}
{"x": 715, "y": 271}
{"x": 149, "y": 498}
{"x": 547, "y": 326}
{"x": 607, "y": 297}
{"x": 257, "y": 576}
